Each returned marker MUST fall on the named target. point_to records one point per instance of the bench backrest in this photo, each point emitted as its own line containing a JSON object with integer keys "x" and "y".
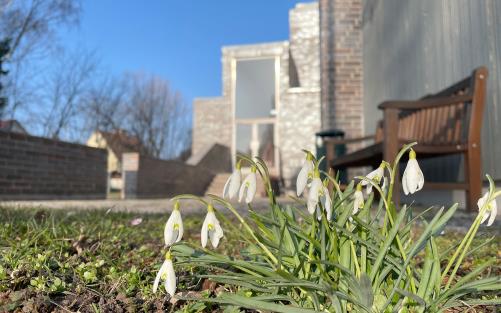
{"x": 452, "y": 116}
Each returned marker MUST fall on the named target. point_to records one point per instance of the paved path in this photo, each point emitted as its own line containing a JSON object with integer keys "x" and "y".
{"x": 133, "y": 206}
{"x": 460, "y": 221}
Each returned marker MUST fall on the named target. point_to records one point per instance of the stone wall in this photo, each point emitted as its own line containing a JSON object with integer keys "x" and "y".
{"x": 146, "y": 177}
{"x": 212, "y": 123}
{"x": 299, "y": 121}
{"x": 34, "y": 168}
{"x": 304, "y": 44}
{"x": 341, "y": 59}
{"x": 299, "y": 115}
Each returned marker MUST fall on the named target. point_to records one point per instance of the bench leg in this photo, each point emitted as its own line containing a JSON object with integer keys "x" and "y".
{"x": 390, "y": 147}
{"x": 473, "y": 177}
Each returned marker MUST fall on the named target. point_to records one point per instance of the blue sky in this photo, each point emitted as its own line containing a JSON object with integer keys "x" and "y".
{"x": 179, "y": 40}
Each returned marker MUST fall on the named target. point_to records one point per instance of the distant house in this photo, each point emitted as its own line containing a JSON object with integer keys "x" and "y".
{"x": 12, "y": 126}
{"x": 117, "y": 143}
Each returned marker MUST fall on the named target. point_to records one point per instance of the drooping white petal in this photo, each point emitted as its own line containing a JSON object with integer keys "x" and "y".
{"x": 205, "y": 230}
{"x": 385, "y": 183}
{"x": 216, "y": 234}
{"x": 327, "y": 203}
{"x": 312, "y": 202}
{"x": 225, "y": 188}
{"x": 491, "y": 210}
{"x": 358, "y": 201}
{"x": 159, "y": 275}
{"x": 170, "y": 280}
{"x": 173, "y": 231}
{"x": 248, "y": 188}
{"x": 494, "y": 212}
{"x": 404, "y": 183}
{"x": 251, "y": 190}
{"x": 235, "y": 183}
{"x": 302, "y": 177}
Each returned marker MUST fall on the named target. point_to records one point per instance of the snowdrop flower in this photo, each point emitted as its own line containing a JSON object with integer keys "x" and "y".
{"x": 358, "y": 202}
{"x": 233, "y": 183}
{"x": 376, "y": 176}
{"x": 413, "y": 178}
{"x": 211, "y": 228}
{"x": 305, "y": 174}
{"x": 167, "y": 274}
{"x": 248, "y": 187}
{"x": 491, "y": 210}
{"x": 174, "y": 227}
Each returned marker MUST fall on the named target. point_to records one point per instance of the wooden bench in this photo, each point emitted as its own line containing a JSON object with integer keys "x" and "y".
{"x": 448, "y": 122}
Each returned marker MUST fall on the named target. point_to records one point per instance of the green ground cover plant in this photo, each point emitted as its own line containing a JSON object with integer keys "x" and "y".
{"x": 337, "y": 255}
{"x": 104, "y": 261}
{"x": 56, "y": 248}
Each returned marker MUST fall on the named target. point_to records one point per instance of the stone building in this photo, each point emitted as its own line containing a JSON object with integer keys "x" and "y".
{"x": 270, "y": 103}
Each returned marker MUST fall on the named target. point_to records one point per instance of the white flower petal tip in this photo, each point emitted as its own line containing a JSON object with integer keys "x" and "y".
{"x": 315, "y": 189}
{"x": 232, "y": 185}
{"x": 413, "y": 179}
{"x": 327, "y": 202}
{"x": 491, "y": 210}
{"x": 358, "y": 201}
{"x": 174, "y": 229}
{"x": 167, "y": 274}
{"x": 248, "y": 187}
{"x": 375, "y": 176}
{"x": 304, "y": 175}
{"x": 211, "y": 229}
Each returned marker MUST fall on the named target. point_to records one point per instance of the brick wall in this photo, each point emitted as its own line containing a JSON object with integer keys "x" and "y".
{"x": 33, "y": 168}
{"x": 341, "y": 59}
{"x": 146, "y": 177}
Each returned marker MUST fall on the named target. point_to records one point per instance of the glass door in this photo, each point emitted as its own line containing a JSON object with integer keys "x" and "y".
{"x": 255, "y": 107}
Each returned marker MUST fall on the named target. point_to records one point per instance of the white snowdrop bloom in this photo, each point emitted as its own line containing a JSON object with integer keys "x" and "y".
{"x": 304, "y": 175}
{"x": 248, "y": 187}
{"x": 211, "y": 228}
{"x": 314, "y": 194}
{"x": 358, "y": 202}
{"x": 491, "y": 210}
{"x": 232, "y": 185}
{"x": 173, "y": 231}
{"x": 167, "y": 274}
{"x": 413, "y": 179}
{"x": 376, "y": 176}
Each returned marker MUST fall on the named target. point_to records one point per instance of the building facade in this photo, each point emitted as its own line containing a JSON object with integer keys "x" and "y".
{"x": 343, "y": 58}
{"x": 270, "y": 102}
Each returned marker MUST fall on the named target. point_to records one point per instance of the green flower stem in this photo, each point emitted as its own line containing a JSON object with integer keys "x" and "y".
{"x": 311, "y": 249}
{"x": 355, "y": 259}
{"x": 247, "y": 227}
{"x": 474, "y": 228}
{"x": 459, "y": 248}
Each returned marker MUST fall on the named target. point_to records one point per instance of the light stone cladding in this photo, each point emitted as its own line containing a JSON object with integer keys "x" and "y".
{"x": 298, "y": 108}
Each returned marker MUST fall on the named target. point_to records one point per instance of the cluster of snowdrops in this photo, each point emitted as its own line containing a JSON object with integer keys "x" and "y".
{"x": 337, "y": 257}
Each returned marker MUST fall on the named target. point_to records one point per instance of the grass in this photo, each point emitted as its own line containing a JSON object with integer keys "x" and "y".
{"x": 93, "y": 261}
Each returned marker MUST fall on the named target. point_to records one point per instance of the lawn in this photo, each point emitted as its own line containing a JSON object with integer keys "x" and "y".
{"x": 98, "y": 261}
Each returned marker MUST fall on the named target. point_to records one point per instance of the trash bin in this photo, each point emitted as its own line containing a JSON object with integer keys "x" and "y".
{"x": 339, "y": 149}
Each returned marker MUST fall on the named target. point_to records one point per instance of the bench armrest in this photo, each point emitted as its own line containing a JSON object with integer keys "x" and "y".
{"x": 339, "y": 141}
{"x": 424, "y": 103}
